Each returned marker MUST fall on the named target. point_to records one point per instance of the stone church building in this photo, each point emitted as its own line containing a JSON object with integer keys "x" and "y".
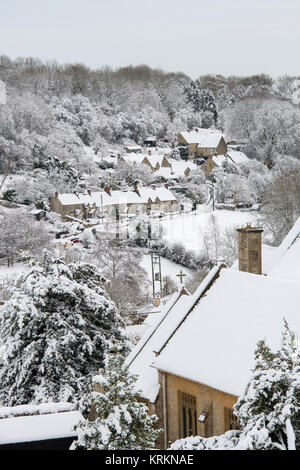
{"x": 195, "y": 360}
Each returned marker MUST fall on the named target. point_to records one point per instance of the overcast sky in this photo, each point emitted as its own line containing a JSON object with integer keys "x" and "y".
{"x": 239, "y": 37}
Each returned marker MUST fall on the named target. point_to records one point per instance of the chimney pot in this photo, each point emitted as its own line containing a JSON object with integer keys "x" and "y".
{"x": 107, "y": 190}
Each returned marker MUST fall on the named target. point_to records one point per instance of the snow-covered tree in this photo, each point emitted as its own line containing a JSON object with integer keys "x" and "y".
{"x": 19, "y": 232}
{"x": 120, "y": 421}
{"x": 281, "y": 204}
{"x": 127, "y": 280}
{"x": 202, "y": 100}
{"x": 269, "y": 409}
{"x": 269, "y": 128}
{"x": 54, "y": 331}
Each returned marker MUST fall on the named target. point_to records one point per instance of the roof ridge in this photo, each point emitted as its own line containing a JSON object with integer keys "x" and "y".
{"x": 205, "y": 288}
{"x": 152, "y": 331}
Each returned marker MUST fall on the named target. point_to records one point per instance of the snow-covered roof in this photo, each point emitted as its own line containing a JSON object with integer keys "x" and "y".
{"x": 142, "y": 356}
{"x": 215, "y": 344}
{"x": 140, "y": 359}
{"x": 133, "y": 147}
{"x": 234, "y": 157}
{"x": 102, "y": 198}
{"x": 237, "y": 156}
{"x": 286, "y": 265}
{"x": 39, "y": 427}
{"x": 177, "y": 169}
{"x": 133, "y": 158}
{"x": 42, "y": 408}
{"x": 282, "y": 261}
{"x": 269, "y": 257}
{"x": 205, "y": 138}
{"x": 210, "y": 337}
{"x": 155, "y": 158}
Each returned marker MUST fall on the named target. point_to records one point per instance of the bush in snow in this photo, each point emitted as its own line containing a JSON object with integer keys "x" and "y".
{"x": 268, "y": 412}
{"x": 20, "y": 232}
{"x": 226, "y": 441}
{"x": 54, "y": 331}
{"x": 121, "y": 421}
{"x": 177, "y": 253}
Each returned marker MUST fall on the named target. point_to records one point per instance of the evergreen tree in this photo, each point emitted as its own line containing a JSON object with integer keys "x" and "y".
{"x": 54, "y": 331}
{"x": 121, "y": 421}
{"x": 201, "y": 100}
{"x": 269, "y": 409}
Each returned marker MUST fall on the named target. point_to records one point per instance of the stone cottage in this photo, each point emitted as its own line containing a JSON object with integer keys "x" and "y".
{"x": 194, "y": 362}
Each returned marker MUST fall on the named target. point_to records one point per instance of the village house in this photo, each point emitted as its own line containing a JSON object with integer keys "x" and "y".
{"x": 150, "y": 141}
{"x": 168, "y": 168}
{"x": 195, "y": 360}
{"x": 203, "y": 142}
{"x": 110, "y": 203}
{"x": 133, "y": 149}
{"x": 232, "y": 157}
{"x": 154, "y": 162}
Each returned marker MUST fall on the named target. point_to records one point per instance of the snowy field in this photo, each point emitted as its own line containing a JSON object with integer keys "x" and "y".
{"x": 168, "y": 268}
{"x": 12, "y": 272}
{"x": 190, "y": 229}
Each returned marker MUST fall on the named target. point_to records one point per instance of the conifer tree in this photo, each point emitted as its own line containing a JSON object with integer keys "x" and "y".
{"x": 269, "y": 409}
{"x": 54, "y": 331}
{"x": 121, "y": 421}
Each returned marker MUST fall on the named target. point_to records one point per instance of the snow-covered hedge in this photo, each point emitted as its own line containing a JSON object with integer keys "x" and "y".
{"x": 227, "y": 441}
{"x": 180, "y": 255}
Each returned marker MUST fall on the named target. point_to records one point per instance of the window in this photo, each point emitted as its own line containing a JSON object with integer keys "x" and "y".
{"x": 187, "y": 415}
{"x": 230, "y": 420}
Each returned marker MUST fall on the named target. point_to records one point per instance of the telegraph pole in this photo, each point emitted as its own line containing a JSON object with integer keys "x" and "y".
{"x": 156, "y": 275}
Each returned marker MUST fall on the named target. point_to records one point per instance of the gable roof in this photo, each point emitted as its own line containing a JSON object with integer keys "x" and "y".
{"x": 101, "y": 198}
{"x": 207, "y": 138}
{"x": 215, "y": 344}
{"x": 287, "y": 265}
{"x": 39, "y": 427}
{"x": 210, "y": 337}
{"x": 142, "y": 356}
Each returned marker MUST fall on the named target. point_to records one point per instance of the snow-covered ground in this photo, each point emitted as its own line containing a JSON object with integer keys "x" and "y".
{"x": 168, "y": 268}
{"x": 189, "y": 229}
{"x": 11, "y": 272}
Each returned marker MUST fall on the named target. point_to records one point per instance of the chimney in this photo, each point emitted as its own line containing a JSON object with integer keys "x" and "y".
{"x": 196, "y": 129}
{"x": 149, "y": 152}
{"x": 56, "y": 194}
{"x": 166, "y": 186}
{"x": 107, "y": 190}
{"x": 153, "y": 186}
{"x": 135, "y": 187}
{"x": 250, "y": 249}
{"x": 89, "y": 192}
